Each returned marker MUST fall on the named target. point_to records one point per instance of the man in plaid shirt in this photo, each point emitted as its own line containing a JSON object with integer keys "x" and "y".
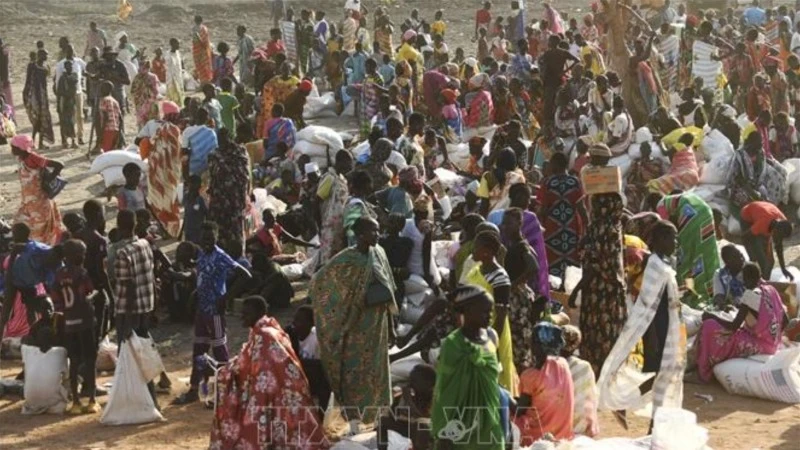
{"x": 134, "y": 283}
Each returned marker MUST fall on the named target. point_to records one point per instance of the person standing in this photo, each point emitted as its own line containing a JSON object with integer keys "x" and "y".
{"x": 201, "y": 51}
{"x": 113, "y": 71}
{"x": 5, "y": 74}
{"x": 95, "y": 38}
{"x": 552, "y": 64}
{"x": 65, "y": 95}
{"x": 144, "y": 90}
{"x": 175, "y": 91}
{"x": 110, "y": 136}
{"x": 353, "y": 297}
{"x": 134, "y": 283}
{"x": 78, "y": 69}
{"x": 214, "y": 268}
{"x": 602, "y": 287}
{"x": 278, "y": 11}
{"x": 332, "y": 195}
{"x": 246, "y": 46}
{"x": 228, "y": 189}
{"x": 36, "y": 100}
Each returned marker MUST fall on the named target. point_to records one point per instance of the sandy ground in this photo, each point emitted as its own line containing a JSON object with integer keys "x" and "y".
{"x": 733, "y": 422}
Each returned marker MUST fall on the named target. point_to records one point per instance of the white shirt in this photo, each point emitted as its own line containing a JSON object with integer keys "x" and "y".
{"x": 396, "y": 159}
{"x": 174, "y": 67}
{"x": 309, "y": 347}
{"x": 795, "y": 45}
{"x": 78, "y": 67}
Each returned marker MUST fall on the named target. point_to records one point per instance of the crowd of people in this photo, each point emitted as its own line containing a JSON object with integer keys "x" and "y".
{"x": 518, "y": 125}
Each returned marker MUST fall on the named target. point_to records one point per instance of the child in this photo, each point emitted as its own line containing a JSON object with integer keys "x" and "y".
{"x": 483, "y": 44}
{"x": 145, "y": 228}
{"x": 411, "y": 410}
{"x": 72, "y": 296}
{"x": 438, "y": 26}
{"x": 230, "y": 106}
{"x": 110, "y": 119}
{"x": 213, "y": 106}
{"x": 179, "y": 282}
{"x": 194, "y": 210}
{"x": 386, "y": 70}
{"x": 223, "y": 64}
{"x": 159, "y": 65}
{"x": 585, "y": 420}
{"x": 131, "y": 196}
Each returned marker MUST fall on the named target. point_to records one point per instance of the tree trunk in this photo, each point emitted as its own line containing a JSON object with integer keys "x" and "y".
{"x": 619, "y": 60}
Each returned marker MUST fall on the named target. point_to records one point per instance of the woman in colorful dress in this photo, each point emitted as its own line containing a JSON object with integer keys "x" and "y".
{"x": 560, "y": 199}
{"x": 353, "y": 297}
{"x": 162, "y": 141}
{"x": 332, "y": 195}
{"x": 36, "y": 101}
{"x": 602, "y": 288}
{"x": 466, "y": 378}
{"x": 480, "y": 109}
{"x": 144, "y": 90}
{"x": 698, "y": 255}
{"x": 403, "y": 81}
{"x": 36, "y": 210}
{"x": 756, "y": 330}
{"x": 278, "y": 129}
{"x": 228, "y": 189}
{"x": 201, "y": 51}
{"x": 223, "y": 64}
{"x": 370, "y": 91}
{"x": 269, "y": 374}
{"x": 588, "y": 30}
{"x": 276, "y": 90}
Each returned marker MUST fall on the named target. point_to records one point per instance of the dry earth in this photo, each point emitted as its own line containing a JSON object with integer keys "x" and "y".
{"x": 733, "y": 422}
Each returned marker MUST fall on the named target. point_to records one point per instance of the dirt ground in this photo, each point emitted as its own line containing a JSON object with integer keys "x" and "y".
{"x": 733, "y": 422}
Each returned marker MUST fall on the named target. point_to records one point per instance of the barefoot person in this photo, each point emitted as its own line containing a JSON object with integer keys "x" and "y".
{"x": 201, "y": 51}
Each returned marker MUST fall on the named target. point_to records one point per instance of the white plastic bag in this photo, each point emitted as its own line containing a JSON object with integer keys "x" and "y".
{"x": 146, "y": 355}
{"x": 129, "y": 401}
{"x": 715, "y": 144}
{"x": 115, "y": 158}
{"x": 43, "y": 389}
{"x": 321, "y": 135}
{"x": 775, "y": 377}
{"x": 106, "y": 356}
{"x": 293, "y": 271}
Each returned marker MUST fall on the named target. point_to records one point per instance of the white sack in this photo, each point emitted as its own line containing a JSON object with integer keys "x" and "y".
{"x": 321, "y": 135}
{"x": 775, "y": 377}
{"x": 129, "y": 401}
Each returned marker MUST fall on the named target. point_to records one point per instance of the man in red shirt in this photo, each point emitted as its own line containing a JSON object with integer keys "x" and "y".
{"x": 483, "y": 18}
{"x": 765, "y": 225}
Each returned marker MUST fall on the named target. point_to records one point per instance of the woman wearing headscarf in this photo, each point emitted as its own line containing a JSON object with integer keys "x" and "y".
{"x": 228, "y": 189}
{"x": 332, "y": 195}
{"x": 466, "y": 379}
{"x": 400, "y": 199}
{"x": 480, "y": 109}
{"x": 452, "y": 114}
{"x": 602, "y": 287}
{"x": 353, "y": 297}
{"x": 495, "y": 184}
{"x": 144, "y": 90}
{"x": 36, "y": 209}
{"x": 201, "y": 51}
{"x": 547, "y": 397}
{"x": 276, "y": 90}
{"x": 588, "y": 30}
{"x": 370, "y": 90}
{"x": 159, "y": 142}
{"x": 404, "y": 81}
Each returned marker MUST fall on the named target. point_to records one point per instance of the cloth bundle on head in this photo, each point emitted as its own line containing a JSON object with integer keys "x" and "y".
{"x": 23, "y": 142}
{"x": 600, "y": 149}
{"x": 549, "y": 337}
{"x": 692, "y": 21}
{"x": 409, "y": 175}
{"x": 305, "y": 86}
{"x": 452, "y": 69}
{"x": 408, "y": 35}
{"x": 480, "y": 80}
{"x": 310, "y": 168}
{"x": 121, "y": 35}
{"x": 424, "y": 204}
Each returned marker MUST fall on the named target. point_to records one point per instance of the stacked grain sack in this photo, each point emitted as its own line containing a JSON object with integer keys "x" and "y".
{"x": 718, "y": 154}
{"x": 624, "y": 162}
{"x": 109, "y": 165}
{"x": 318, "y": 143}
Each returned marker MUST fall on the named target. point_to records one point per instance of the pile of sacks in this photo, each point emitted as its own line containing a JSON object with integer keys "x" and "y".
{"x": 109, "y": 165}
{"x": 319, "y": 106}
{"x": 319, "y": 143}
{"x": 634, "y": 153}
{"x": 718, "y": 154}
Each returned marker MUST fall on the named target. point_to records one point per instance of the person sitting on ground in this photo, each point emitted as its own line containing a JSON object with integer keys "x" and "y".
{"x": 46, "y": 366}
{"x": 267, "y": 355}
{"x": 411, "y": 411}
{"x": 305, "y": 344}
{"x": 728, "y": 283}
{"x": 268, "y": 240}
{"x": 766, "y": 226}
{"x": 584, "y": 419}
{"x": 756, "y": 330}
{"x": 546, "y": 401}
